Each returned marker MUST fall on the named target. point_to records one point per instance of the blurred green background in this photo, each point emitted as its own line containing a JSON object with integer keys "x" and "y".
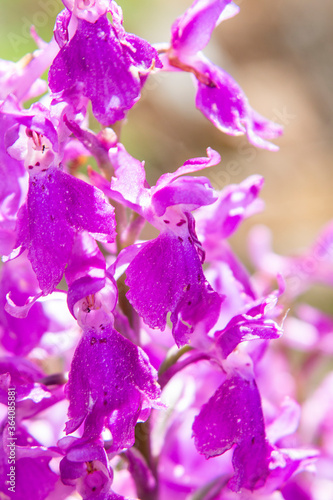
{"x": 281, "y": 53}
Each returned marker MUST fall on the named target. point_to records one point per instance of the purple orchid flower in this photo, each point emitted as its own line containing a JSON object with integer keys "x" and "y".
{"x": 58, "y": 205}
{"x": 104, "y": 359}
{"x": 101, "y": 62}
{"x": 218, "y": 97}
{"x": 233, "y": 416}
{"x": 86, "y": 467}
{"x": 254, "y": 324}
{"x": 111, "y": 383}
{"x": 165, "y": 274}
{"x": 182, "y": 471}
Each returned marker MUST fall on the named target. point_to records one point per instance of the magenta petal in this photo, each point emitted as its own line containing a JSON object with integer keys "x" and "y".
{"x": 199, "y": 307}
{"x": 37, "y": 118}
{"x": 190, "y": 166}
{"x": 286, "y": 463}
{"x": 86, "y": 260}
{"x": 130, "y": 187}
{"x": 193, "y": 192}
{"x": 61, "y": 27}
{"x": 233, "y": 416}
{"x": 252, "y": 325}
{"x": 263, "y": 127}
{"x": 33, "y": 236}
{"x": 224, "y": 103}
{"x": 110, "y": 379}
{"x": 58, "y": 205}
{"x": 159, "y": 275}
{"x": 144, "y": 56}
{"x": 71, "y": 471}
{"x": 192, "y": 31}
{"x": 97, "y": 478}
{"x": 95, "y": 62}
{"x": 83, "y": 451}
